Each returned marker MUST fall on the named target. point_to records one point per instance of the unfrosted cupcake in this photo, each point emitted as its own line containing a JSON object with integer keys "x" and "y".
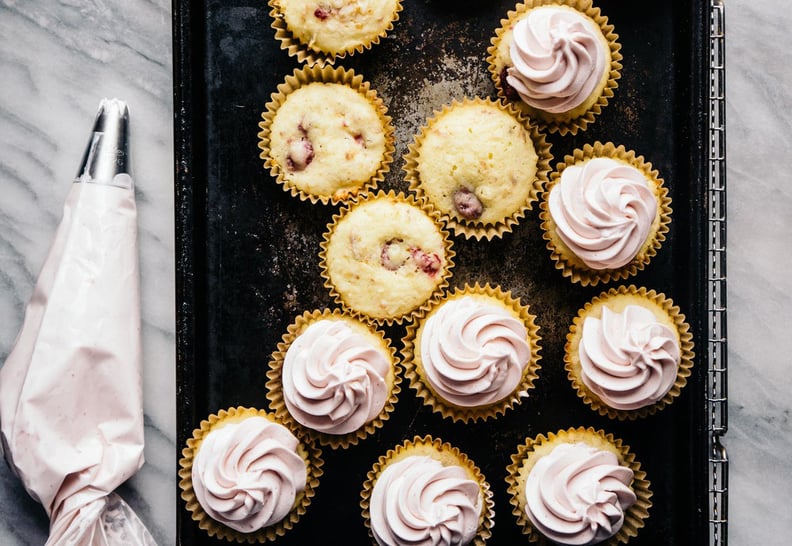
{"x": 473, "y": 354}
{"x": 384, "y": 257}
{"x": 425, "y": 491}
{"x": 334, "y": 375}
{"x": 246, "y": 477}
{"x": 578, "y": 486}
{"x": 557, "y": 60}
{"x": 326, "y": 136}
{"x": 629, "y": 352}
{"x": 481, "y": 164}
{"x": 604, "y": 214}
{"x": 322, "y": 31}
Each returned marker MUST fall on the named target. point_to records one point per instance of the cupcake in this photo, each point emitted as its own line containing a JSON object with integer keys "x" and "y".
{"x": 246, "y": 477}
{"x": 427, "y": 492}
{"x": 629, "y": 352}
{"x": 604, "y": 214}
{"x": 326, "y": 136}
{"x": 578, "y": 486}
{"x": 556, "y": 60}
{"x": 334, "y": 375}
{"x": 474, "y": 354}
{"x": 481, "y": 164}
{"x": 384, "y": 257}
{"x": 322, "y": 31}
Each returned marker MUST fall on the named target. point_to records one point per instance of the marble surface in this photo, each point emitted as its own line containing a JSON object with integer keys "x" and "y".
{"x": 59, "y": 59}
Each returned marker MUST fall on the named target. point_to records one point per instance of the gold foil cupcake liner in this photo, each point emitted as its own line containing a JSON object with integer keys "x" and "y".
{"x": 529, "y": 452}
{"x": 446, "y": 454}
{"x": 328, "y": 75}
{"x": 310, "y": 453}
{"x": 445, "y": 274}
{"x": 413, "y": 369}
{"x": 573, "y": 267}
{"x": 274, "y": 385}
{"x": 558, "y": 123}
{"x": 659, "y": 303}
{"x": 307, "y": 53}
{"x": 474, "y": 228}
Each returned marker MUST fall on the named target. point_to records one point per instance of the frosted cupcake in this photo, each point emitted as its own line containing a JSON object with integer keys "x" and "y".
{"x": 604, "y": 214}
{"x": 326, "y": 136}
{"x": 629, "y": 352}
{"x": 246, "y": 477}
{"x": 322, "y": 31}
{"x": 557, "y": 60}
{"x": 427, "y": 492}
{"x": 577, "y": 486}
{"x": 335, "y": 376}
{"x": 474, "y": 354}
{"x": 385, "y": 257}
{"x": 481, "y": 164}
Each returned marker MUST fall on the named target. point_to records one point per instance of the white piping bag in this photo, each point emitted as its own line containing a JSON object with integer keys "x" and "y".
{"x": 71, "y": 404}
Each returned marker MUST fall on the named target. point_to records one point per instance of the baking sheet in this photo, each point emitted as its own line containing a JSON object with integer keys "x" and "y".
{"x": 247, "y": 252}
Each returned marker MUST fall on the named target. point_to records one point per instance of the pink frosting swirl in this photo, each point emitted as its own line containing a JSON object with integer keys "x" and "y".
{"x": 334, "y": 379}
{"x": 558, "y": 58}
{"x": 629, "y": 359}
{"x": 578, "y": 494}
{"x": 474, "y": 353}
{"x": 247, "y": 475}
{"x": 420, "y": 502}
{"x": 603, "y": 210}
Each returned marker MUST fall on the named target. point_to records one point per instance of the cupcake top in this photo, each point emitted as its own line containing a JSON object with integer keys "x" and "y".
{"x": 578, "y": 494}
{"x": 248, "y": 474}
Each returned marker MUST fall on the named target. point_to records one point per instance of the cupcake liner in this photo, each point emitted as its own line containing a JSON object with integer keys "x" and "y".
{"x": 573, "y": 267}
{"x": 306, "y": 448}
{"x": 534, "y": 448}
{"x": 476, "y": 228}
{"x": 448, "y": 455}
{"x": 414, "y": 371}
{"x": 356, "y": 309}
{"x": 327, "y": 75}
{"x": 660, "y": 304}
{"x": 275, "y": 386}
{"x": 562, "y": 124}
{"x": 310, "y": 53}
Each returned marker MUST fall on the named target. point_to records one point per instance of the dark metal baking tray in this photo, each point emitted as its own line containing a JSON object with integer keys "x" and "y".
{"x": 247, "y": 252}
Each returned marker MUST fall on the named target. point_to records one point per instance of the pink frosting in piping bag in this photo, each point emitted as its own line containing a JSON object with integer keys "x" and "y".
{"x": 71, "y": 410}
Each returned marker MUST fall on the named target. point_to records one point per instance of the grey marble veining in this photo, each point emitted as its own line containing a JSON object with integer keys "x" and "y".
{"x": 58, "y": 59}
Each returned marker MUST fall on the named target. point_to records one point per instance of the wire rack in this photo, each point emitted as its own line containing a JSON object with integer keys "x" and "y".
{"x": 716, "y": 335}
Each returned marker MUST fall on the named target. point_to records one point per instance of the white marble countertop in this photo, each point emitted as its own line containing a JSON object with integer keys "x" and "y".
{"x": 59, "y": 59}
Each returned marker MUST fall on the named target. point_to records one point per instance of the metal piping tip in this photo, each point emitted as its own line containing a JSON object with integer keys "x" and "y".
{"x": 106, "y": 159}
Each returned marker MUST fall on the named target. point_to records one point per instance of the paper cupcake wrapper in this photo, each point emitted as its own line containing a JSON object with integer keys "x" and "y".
{"x": 661, "y": 304}
{"x": 473, "y": 228}
{"x": 389, "y": 320}
{"x": 534, "y": 448}
{"x": 573, "y": 267}
{"x": 448, "y": 455}
{"x": 311, "y": 454}
{"x": 558, "y": 123}
{"x": 309, "y": 54}
{"x": 329, "y": 75}
{"x": 413, "y": 369}
{"x": 277, "y": 403}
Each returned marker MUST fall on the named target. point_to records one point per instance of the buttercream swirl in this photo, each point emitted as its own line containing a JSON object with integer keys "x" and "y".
{"x": 628, "y": 359}
{"x": 558, "y": 58}
{"x": 418, "y": 501}
{"x": 473, "y": 353}
{"x": 334, "y": 379}
{"x": 603, "y": 210}
{"x": 578, "y": 494}
{"x": 247, "y": 475}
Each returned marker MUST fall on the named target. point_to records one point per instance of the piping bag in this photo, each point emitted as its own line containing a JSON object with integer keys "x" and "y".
{"x": 71, "y": 403}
